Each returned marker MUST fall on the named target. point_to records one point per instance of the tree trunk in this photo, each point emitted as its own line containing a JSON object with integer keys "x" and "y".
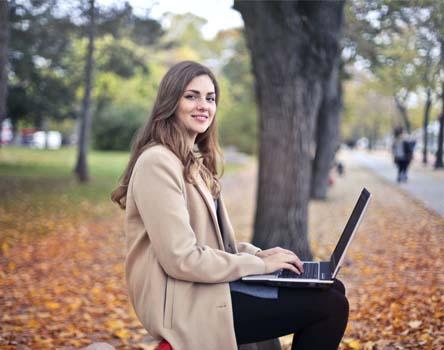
{"x": 44, "y": 125}
{"x": 403, "y": 112}
{"x": 4, "y": 44}
{"x": 293, "y": 47}
{"x": 425, "y": 138}
{"x": 81, "y": 168}
{"x": 439, "y": 161}
{"x": 327, "y": 135}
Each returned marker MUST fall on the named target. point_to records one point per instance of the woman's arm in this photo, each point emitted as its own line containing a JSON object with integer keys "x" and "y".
{"x": 158, "y": 190}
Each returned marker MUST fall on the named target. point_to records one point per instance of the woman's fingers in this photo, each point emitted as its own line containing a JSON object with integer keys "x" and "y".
{"x": 279, "y": 261}
{"x": 283, "y": 256}
{"x": 291, "y": 267}
{"x": 293, "y": 261}
{"x": 296, "y": 260}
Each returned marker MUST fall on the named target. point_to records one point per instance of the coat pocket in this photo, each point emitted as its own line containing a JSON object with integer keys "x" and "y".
{"x": 168, "y": 303}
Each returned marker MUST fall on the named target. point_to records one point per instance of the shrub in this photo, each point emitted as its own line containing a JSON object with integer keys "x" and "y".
{"x": 115, "y": 126}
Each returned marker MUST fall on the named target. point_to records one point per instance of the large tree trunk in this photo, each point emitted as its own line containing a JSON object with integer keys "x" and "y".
{"x": 425, "y": 137}
{"x": 327, "y": 134}
{"x": 81, "y": 168}
{"x": 293, "y": 46}
{"x": 4, "y": 44}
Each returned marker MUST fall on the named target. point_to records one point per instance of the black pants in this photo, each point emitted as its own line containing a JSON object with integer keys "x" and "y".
{"x": 317, "y": 317}
{"x": 403, "y": 166}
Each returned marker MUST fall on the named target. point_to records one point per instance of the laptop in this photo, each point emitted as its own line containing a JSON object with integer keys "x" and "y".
{"x": 319, "y": 274}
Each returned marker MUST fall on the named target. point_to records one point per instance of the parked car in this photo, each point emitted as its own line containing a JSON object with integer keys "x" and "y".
{"x": 50, "y": 139}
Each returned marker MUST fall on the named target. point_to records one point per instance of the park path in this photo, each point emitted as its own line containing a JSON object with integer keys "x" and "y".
{"x": 424, "y": 183}
{"x": 66, "y": 289}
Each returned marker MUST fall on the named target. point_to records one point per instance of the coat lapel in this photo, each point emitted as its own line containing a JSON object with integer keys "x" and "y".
{"x": 209, "y": 201}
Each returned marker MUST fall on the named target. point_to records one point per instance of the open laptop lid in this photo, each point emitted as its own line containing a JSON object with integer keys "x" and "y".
{"x": 350, "y": 229}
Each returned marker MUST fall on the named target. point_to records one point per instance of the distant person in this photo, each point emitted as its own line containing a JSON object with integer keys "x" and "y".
{"x": 402, "y": 149}
{"x": 183, "y": 263}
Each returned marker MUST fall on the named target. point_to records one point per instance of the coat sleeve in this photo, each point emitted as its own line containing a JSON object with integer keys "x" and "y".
{"x": 249, "y": 248}
{"x": 158, "y": 190}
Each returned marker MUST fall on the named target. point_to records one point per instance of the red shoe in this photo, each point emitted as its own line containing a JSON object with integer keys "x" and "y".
{"x": 163, "y": 345}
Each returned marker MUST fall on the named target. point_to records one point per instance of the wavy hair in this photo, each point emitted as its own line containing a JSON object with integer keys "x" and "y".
{"x": 164, "y": 128}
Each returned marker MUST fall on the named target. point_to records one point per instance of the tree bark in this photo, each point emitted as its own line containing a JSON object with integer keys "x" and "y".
{"x": 4, "y": 44}
{"x": 81, "y": 168}
{"x": 293, "y": 47}
{"x": 425, "y": 138}
{"x": 327, "y": 134}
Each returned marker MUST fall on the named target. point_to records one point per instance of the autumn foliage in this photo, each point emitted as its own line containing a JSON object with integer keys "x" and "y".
{"x": 62, "y": 278}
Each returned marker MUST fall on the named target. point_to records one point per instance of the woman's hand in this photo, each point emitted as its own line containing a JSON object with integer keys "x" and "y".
{"x": 271, "y": 251}
{"x": 278, "y": 258}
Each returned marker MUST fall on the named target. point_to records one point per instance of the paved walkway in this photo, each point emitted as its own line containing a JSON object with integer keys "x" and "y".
{"x": 424, "y": 183}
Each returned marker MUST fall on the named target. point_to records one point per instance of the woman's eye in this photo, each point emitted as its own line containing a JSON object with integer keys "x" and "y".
{"x": 190, "y": 97}
{"x": 211, "y": 99}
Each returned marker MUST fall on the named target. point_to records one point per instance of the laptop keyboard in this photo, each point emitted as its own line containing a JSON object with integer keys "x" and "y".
{"x": 311, "y": 271}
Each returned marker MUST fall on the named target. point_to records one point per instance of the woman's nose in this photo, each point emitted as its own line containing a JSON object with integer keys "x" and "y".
{"x": 202, "y": 104}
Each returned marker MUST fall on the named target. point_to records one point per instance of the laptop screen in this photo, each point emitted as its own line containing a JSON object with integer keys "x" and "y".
{"x": 350, "y": 228}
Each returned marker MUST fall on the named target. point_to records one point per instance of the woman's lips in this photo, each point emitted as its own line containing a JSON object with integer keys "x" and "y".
{"x": 200, "y": 117}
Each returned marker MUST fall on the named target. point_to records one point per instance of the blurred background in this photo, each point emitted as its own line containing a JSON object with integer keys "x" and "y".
{"x": 78, "y": 78}
{"x": 383, "y": 60}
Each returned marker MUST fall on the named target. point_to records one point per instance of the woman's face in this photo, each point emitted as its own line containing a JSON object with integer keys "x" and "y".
{"x": 197, "y": 106}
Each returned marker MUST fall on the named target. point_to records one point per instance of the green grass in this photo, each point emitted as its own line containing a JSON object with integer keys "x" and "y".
{"x": 25, "y": 172}
{"x": 55, "y": 163}
{"x": 40, "y": 193}
{"x": 48, "y": 174}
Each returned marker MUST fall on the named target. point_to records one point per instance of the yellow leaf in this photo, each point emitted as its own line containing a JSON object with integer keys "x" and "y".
{"x": 52, "y": 305}
{"x": 122, "y": 333}
{"x": 115, "y": 324}
{"x": 5, "y": 249}
{"x": 32, "y": 324}
{"x": 352, "y": 343}
{"x": 425, "y": 336}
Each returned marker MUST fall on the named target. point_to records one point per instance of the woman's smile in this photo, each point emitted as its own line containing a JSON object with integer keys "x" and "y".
{"x": 200, "y": 117}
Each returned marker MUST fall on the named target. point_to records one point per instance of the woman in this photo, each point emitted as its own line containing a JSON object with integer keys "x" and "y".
{"x": 402, "y": 149}
{"x": 182, "y": 253}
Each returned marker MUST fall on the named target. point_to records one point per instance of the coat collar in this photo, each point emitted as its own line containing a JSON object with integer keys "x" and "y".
{"x": 209, "y": 201}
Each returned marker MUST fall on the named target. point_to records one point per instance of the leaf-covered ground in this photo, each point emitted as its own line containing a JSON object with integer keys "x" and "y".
{"x": 62, "y": 279}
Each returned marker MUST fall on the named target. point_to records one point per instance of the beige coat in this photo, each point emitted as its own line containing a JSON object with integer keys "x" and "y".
{"x": 177, "y": 267}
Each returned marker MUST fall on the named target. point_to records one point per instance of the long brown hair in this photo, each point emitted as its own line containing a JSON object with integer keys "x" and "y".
{"x": 165, "y": 129}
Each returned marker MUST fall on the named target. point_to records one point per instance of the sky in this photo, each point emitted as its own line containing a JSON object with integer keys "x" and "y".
{"x": 218, "y": 13}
